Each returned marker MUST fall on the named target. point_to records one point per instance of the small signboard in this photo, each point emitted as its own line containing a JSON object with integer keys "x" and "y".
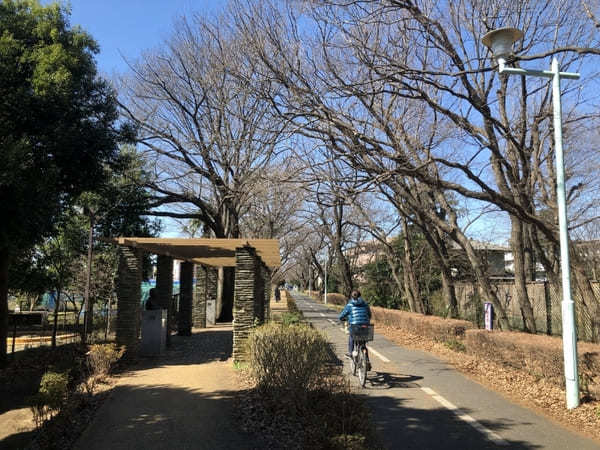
{"x": 488, "y": 314}
{"x": 27, "y": 318}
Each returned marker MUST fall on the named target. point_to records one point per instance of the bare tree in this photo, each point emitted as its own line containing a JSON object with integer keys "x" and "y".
{"x": 354, "y": 78}
{"x": 207, "y": 137}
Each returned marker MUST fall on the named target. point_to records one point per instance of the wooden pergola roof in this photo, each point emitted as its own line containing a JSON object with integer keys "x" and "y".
{"x": 210, "y": 252}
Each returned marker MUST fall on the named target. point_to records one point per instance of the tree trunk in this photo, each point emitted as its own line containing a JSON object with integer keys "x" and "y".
{"x": 449, "y": 293}
{"x": 410, "y": 279}
{"x": 226, "y": 314}
{"x": 55, "y": 324}
{"x": 529, "y": 254}
{"x": 440, "y": 250}
{"x": 89, "y": 317}
{"x": 482, "y": 280}
{"x": 395, "y": 270}
{"x": 517, "y": 245}
{"x": 4, "y": 262}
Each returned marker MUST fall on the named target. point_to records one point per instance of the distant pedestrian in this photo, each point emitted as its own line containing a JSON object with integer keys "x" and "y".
{"x": 277, "y": 295}
{"x": 152, "y": 301}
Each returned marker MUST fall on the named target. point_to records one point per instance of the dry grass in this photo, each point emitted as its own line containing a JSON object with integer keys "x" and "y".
{"x": 539, "y": 356}
{"x": 336, "y": 299}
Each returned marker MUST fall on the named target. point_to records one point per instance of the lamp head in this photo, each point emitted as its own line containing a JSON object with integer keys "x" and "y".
{"x": 500, "y": 41}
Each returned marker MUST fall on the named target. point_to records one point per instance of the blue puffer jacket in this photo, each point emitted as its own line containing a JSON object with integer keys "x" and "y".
{"x": 357, "y": 311}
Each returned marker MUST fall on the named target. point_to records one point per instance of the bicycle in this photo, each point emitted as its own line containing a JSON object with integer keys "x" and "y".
{"x": 359, "y": 361}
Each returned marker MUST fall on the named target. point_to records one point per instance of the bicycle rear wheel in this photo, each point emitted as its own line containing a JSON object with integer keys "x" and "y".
{"x": 362, "y": 366}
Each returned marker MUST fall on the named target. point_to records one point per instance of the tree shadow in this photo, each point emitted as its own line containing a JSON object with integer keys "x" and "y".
{"x": 161, "y": 416}
{"x": 203, "y": 346}
{"x": 387, "y": 380}
{"x": 18, "y": 440}
{"x": 402, "y": 426}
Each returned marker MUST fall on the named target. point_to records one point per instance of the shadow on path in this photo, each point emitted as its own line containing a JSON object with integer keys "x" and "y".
{"x": 387, "y": 380}
{"x": 203, "y": 346}
{"x": 163, "y": 417}
{"x": 434, "y": 429}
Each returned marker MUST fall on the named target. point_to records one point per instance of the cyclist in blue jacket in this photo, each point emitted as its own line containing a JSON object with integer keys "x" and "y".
{"x": 357, "y": 312}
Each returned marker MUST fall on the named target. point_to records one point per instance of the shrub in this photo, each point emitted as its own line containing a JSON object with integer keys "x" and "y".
{"x": 291, "y": 318}
{"x": 51, "y": 396}
{"x": 291, "y": 304}
{"x": 541, "y": 356}
{"x": 287, "y": 358}
{"x": 455, "y": 345}
{"x": 336, "y": 299}
{"x": 433, "y": 327}
{"x": 102, "y": 357}
{"x": 53, "y": 387}
{"x": 99, "y": 361}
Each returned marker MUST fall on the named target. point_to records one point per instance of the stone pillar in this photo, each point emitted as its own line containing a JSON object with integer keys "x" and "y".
{"x": 186, "y": 296}
{"x": 129, "y": 296}
{"x": 199, "y": 303}
{"x": 259, "y": 294}
{"x": 212, "y": 285}
{"x": 164, "y": 288}
{"x": 267, "y": 279}
{"x": 243, "y": 300}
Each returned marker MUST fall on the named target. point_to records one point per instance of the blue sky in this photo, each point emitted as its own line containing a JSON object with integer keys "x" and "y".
{"x": 127, "y": 27}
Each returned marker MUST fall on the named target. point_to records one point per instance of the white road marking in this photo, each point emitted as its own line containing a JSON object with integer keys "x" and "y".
{"x": 322, "y": 314}
{"x": 379, "y": 355}
{"x": 465, "y": 417}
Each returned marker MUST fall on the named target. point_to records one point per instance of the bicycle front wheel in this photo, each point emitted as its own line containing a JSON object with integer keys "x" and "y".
{"x": 362, "y": 366}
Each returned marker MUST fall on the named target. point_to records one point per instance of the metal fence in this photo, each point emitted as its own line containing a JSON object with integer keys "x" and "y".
{"x": 545, "y": 300}
{"x": 34, "y": 329}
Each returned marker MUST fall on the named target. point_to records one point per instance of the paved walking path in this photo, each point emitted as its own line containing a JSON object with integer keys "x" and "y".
{"x": 419, "y": 402}
{"x": 180, "y": 400}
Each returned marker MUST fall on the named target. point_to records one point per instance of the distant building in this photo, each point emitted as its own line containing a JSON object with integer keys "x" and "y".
{"x": 494, "y": 256}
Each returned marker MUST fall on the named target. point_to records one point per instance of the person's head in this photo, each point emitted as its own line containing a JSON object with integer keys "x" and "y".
{"x": 355, "y": 294}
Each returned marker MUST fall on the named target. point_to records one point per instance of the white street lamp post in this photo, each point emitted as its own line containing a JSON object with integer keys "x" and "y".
{"x": 500, "y": 43}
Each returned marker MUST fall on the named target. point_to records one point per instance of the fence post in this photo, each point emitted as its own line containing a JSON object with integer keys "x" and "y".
{"x": 548, "y": 301}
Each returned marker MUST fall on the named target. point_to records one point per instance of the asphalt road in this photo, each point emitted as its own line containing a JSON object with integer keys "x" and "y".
{"x": 420, "y": 402}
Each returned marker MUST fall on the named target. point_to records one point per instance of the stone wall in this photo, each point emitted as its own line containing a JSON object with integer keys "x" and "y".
{"x": 206, "y": 291}
{"x": 186, "y": 296}
{"x": 212, "y": 283}
{"x": 266, "y": 276}
{"x": 199, "y": 303}
{"x": 248, "y": 284}
{"x": 128, "y": 287}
